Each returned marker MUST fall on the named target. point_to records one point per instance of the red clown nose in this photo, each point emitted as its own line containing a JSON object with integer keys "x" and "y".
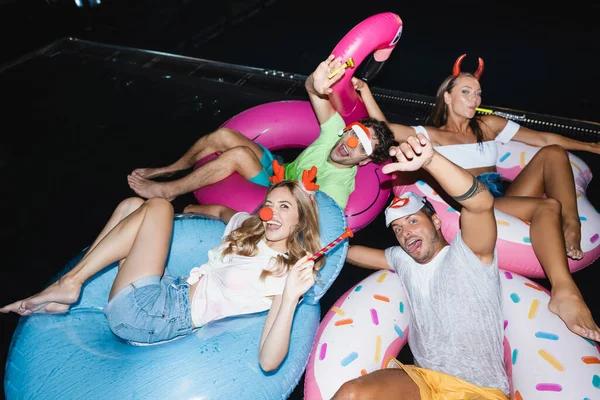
{"x": 352, "y": 142}
{"x": 266, "y": 214}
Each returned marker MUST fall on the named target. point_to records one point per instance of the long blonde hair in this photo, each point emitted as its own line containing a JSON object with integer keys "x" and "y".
{"x": 304, "y": 236}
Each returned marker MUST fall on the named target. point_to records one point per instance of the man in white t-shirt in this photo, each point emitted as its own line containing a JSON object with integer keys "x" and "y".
{"x": 454, "y": 292}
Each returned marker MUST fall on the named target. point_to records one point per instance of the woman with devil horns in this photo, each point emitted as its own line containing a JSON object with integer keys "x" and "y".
{"x": 468, "y": 140}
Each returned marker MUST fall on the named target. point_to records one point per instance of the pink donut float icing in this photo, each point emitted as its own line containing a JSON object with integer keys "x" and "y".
{"x": 292, "y": 124}
{"x": 370, "y": 322}
{"x": 514, "y": 248}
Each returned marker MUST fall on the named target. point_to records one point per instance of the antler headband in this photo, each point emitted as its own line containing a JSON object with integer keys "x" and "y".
{"x": 306, "y": 182}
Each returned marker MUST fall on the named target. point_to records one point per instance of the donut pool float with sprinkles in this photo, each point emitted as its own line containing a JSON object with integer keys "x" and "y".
{"x": 369, "y": 324}
{"x": 514, "y": 247}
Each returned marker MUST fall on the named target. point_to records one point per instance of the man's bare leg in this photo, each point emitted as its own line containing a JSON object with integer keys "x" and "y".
{"x": 242, "y": 160}
{"x": 218, "y": 141}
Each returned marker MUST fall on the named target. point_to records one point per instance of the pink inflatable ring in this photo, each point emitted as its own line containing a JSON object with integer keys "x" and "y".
{"x": 369, "y": 324}
{"x": 292, "y": 124}
{"x": 515, "y": 253}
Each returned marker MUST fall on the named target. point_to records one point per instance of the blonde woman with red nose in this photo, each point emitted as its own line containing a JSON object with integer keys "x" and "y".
{"x": 262, "y": 263}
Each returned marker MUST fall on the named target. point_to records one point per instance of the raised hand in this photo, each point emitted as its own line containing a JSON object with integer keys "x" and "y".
{"x": 414, "y": 153}
{"x": 320, "y": 77}
{"x": 300, "y": 278}
{"x": 358, "y": 83}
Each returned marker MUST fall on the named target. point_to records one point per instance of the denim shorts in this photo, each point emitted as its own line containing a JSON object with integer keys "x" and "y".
{"x": 151, "y": 310}
{"x": 495, "y": 183}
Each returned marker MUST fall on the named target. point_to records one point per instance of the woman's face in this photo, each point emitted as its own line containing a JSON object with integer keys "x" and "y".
{"x": 285, "y": 218}
{"x": 464, "y": 98}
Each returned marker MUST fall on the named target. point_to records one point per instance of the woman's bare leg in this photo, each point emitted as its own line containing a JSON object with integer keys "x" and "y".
{"x": 391, "y": 383}
{"x": 242, "y": 160}
{"x": 218, "y": 141}
{"x": 547, "y": 242}
{"x": 549, "y": 172}
{"x": 124, "y": 208}
{"x": 141, "y": 239}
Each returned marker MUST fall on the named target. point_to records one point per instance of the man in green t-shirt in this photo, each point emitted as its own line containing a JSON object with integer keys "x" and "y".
{"x": 336, "y": 153}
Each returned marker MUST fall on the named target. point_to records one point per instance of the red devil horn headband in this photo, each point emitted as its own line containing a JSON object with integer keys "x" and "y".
{"x": 456, "y": 70}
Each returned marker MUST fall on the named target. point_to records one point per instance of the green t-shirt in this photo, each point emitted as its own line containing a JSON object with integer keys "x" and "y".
{"x": 336, "y": 182}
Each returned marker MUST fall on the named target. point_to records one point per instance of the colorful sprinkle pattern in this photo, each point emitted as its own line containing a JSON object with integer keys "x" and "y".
{"x": 564, "y": 361}
{"x": 362, "y": 330}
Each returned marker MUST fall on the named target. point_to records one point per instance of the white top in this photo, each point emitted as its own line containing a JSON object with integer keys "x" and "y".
{"x": 231, "y": 285}
{"x": 456, "y": 324}
{"x": 475, "y": 155}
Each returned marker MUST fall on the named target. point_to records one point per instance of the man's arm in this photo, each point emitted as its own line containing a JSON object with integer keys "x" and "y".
{"x": 367, "y": 257}
{"x": 318, "y": 85}
{"x": 478, "y": 224}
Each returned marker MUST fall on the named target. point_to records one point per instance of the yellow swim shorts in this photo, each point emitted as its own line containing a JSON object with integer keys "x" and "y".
{"x": 434, "y": 385}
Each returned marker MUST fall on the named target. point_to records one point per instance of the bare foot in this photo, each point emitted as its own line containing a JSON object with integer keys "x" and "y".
{"x": 55, "y": 308}
{"x": 572, "y": 234}
{"x": 571, "y": 308}
{"x": 146, "y": 188}
{"x": 150, "y": 173}
{"x": 55, "y": 298}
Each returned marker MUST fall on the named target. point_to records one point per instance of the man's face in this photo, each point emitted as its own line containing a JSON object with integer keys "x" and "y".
{"x": 418, "y": 235}
{"x": 344, "y": 154}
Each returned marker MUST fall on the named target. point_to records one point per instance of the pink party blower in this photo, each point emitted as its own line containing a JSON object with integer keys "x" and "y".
{"x": 347, "y": 233}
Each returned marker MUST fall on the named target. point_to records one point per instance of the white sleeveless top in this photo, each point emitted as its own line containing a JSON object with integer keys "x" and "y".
{"x": 475, "y": 155}
{"x": 231, "y": 285}
{"x": 457, "y": 318}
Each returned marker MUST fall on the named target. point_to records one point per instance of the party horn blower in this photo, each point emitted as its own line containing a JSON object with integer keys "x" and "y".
{"x": 349, "y": 63}
{"x": 500, "y": 113}
{"x": 347, "y": 233}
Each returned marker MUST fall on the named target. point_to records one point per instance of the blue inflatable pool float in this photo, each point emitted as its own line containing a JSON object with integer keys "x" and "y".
{"x": 76, "y": 356}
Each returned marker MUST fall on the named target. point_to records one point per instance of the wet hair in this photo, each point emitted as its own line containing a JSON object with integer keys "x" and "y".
{"x": 439, "y": 115}
{"x": 384, "y": 136}
{"x": 304, "y": 236}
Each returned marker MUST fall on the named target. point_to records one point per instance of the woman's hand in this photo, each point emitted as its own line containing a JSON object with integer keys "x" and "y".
{"x": 358, "y": 84}
{"x": 300, "y": 279}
